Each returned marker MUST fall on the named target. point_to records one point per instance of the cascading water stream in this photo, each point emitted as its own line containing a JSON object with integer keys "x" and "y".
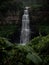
{"x": 25, "y": 31}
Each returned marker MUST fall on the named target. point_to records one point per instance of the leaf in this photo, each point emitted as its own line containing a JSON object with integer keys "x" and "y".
{"x": 34, "y": 58}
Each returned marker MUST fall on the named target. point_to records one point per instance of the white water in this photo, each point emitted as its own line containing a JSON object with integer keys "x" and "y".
{"x": 25, "y": 31}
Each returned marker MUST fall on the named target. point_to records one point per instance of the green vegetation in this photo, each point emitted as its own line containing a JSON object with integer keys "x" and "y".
{"x": 12, "y": 5}
{"x": 13, "y": 54}
{"x": 41, "y": 46}
{"x": 44, "y": 29}
{"x": 36, "y": 52}
{"x": 6, "y": 30}
{"x": 11, "y": 32}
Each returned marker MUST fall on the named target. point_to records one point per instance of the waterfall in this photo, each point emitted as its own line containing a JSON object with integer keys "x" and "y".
{"x": 25, "y": 31}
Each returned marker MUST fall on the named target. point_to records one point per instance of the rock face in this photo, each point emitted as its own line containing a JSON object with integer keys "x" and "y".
{"x": 13, "y": 19}
{"x": 10, "y": 18}
{"x": 38, "y": 17}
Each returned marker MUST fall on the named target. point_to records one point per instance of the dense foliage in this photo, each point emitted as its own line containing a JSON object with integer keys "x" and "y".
{"x": 41, "y": 46}
{"x": 12, "y": 5}
{"x": 17, "y": 54}
{"x": 36, "y": 52}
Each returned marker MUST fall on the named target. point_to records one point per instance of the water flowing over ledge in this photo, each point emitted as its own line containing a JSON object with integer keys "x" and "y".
{"x": 25, "y": 30}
